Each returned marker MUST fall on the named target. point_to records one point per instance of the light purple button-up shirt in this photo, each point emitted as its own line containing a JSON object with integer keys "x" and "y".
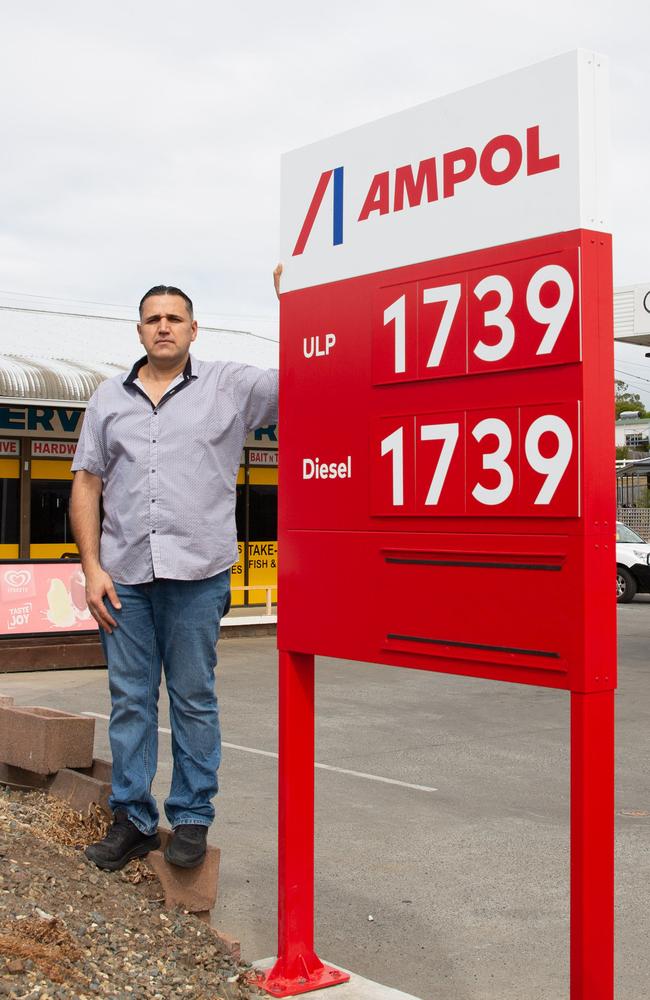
{"x": 169, "y": 471}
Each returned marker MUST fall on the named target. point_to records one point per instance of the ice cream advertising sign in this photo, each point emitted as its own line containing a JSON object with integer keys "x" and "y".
{"x": 39, "y": 598}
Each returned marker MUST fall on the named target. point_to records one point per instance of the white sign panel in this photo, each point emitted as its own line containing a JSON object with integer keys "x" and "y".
{"x": 514, "y": 158}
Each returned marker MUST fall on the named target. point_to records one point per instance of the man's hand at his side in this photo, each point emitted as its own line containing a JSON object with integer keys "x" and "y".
{"x": 84, "y": 517}
{"x": 277, "y": 274}
{"x": 98, "y": 586}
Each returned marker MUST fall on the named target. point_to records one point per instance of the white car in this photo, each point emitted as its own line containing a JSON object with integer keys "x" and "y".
{"x": 632, "y": 564}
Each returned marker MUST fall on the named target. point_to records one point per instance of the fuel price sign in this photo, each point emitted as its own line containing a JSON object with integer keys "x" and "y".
{"x": 447, "y": 370}
{"x": 446, "y": 476}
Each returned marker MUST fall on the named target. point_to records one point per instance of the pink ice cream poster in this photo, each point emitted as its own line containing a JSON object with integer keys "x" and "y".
{"x": 38, "y": 598}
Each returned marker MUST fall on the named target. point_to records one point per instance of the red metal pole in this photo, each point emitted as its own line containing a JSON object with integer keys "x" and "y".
{"x": 592, "y": 846}
{"x": 297, "y": 969}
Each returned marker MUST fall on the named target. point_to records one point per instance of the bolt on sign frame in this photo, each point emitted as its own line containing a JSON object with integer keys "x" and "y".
{"x": 446, "y": 390}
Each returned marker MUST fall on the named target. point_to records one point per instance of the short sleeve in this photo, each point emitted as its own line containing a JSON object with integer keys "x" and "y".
{"x": 89, "y": 454}
{"x": 256, "y": 395}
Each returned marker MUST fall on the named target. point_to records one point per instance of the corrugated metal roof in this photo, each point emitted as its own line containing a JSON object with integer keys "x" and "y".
{"x": 631, "y": 316}
{"x": 51, "y": 378}
{"x": 623, "y": 313}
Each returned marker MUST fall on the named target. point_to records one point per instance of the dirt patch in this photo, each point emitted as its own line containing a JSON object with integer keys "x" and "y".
{"x": 69, "y": 931}
{"x": 45, "y": 941}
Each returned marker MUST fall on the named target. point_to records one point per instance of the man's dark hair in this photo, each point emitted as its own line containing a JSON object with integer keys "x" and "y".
{"x": 167, "y": 290}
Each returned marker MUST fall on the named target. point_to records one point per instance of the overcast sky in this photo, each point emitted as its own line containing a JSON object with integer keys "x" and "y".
{"x": 141, "y": 140}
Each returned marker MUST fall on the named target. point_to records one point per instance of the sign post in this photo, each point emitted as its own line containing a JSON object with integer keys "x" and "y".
{"x": 446, "y": 389}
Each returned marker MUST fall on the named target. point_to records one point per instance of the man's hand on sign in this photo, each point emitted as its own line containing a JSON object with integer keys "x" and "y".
{"x": 277, "y": 274}
{"x": 98, "y": 585}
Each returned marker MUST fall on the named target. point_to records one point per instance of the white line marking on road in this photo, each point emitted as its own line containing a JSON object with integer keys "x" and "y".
{"x": 321, "y": 767}
{"x": 376, "y": 777}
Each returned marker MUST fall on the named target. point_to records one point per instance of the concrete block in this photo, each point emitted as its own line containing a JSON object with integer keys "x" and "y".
{"x": 193, "y": 889}
{"x": 44, "y": 740}
{"x": 80, "y": 790}
{"x": 101, "y": 770}
{"x": 18, "y": 777}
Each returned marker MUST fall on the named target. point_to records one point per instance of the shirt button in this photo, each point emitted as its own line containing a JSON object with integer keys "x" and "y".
{"x": 155, "y": 413}
{"x": 153, "y": 470}
{"x": 153, "y": 501}
{"x": 154, "y": 441}
{"x": 153, "y": 531}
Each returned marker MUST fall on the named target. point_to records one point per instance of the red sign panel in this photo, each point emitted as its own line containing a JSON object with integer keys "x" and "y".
{"x": 456, "y": 442}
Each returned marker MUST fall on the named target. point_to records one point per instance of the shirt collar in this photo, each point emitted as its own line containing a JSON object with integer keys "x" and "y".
{"x": 187, "y": 372}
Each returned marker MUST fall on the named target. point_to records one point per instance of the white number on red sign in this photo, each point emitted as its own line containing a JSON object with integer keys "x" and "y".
{"x": 496, "y": 458}
{"x": 396, "y": 313}
{"x": 450, "y": 295}
{"x": 508, "y": 319}
{"x": 497, "y": 317}
{"x": 554, "y": 316}
{"x": 553, "y": 466}
{"x": 394, "y": 444}
{"x": 448, "y": 433}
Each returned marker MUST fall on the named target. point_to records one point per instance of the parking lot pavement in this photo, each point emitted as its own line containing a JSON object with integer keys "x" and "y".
{"x": 467, "y": 885}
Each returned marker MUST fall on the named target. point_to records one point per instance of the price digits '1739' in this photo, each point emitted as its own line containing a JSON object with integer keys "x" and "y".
{"x": 551, "y": 318}
{"x": 497, "y": 459}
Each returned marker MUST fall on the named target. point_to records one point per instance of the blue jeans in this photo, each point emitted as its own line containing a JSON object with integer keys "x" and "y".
{"x": 170, "y": 624}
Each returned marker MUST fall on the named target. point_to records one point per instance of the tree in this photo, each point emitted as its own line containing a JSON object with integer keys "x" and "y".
{"x": 626, "y": 400}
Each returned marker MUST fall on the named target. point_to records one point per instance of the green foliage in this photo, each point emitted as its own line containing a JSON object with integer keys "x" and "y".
{"x": 622, "y": 451}
{"x": 625, "y": 400}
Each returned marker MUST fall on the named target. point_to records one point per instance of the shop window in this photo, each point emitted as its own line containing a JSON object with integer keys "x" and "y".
{"x": 9, "y": 511}
{"x": 263, "y": 513}
{"x": 49, "y": 511}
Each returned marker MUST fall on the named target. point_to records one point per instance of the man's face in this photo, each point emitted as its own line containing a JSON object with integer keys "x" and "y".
{"x": 166, "y": 330}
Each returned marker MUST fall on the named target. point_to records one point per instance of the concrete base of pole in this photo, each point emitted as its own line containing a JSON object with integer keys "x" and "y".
{"x": 357, "y": 988}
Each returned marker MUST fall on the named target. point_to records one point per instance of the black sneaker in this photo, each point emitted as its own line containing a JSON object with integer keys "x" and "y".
{"x": 187, "y": 846}
{"x": 122, "y": 843}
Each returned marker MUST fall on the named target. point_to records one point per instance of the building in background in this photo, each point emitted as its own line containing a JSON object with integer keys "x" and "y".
{"x": 632, "y": 315}
{"x": 50, "y": 364}
{"x": 631, "y": 430}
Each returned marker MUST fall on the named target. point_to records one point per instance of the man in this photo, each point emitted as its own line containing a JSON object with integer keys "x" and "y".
{"x": 160, "y": 447}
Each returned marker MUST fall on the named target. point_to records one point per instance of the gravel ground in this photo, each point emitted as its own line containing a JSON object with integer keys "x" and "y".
{"x": 69, "y": 931}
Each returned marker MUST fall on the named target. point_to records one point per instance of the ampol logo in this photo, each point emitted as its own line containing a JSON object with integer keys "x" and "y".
{"x": 494, "y": 163}
{"x": 336, "y": 176}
